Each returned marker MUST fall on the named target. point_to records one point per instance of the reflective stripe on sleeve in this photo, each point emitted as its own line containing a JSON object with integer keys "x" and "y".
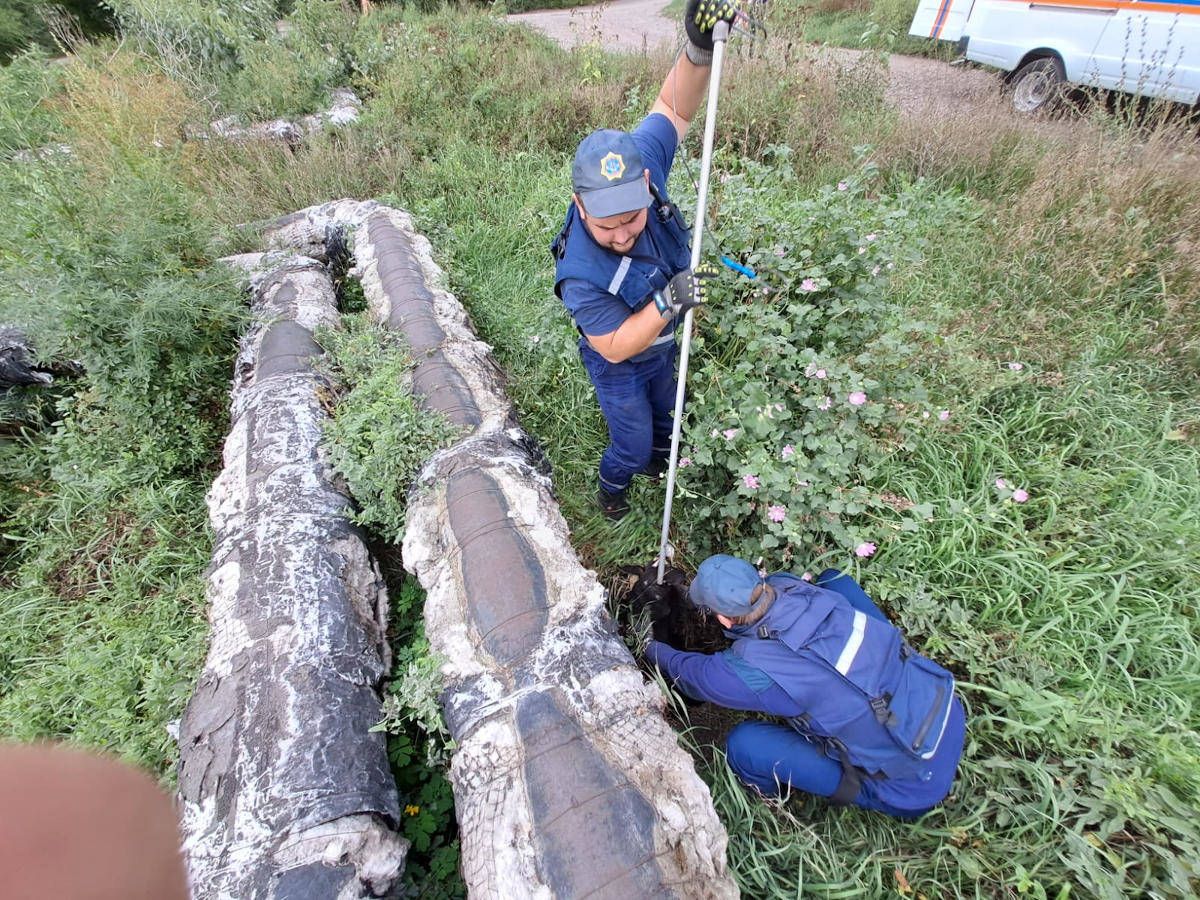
{"x": 619, "y": 275}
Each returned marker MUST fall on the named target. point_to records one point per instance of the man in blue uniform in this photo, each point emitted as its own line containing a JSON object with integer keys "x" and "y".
{"x": 622, "y": 271}
{"x": 838, "y": 743}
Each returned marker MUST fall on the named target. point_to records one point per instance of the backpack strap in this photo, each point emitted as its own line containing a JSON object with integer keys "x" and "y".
{"x": 558, "y": 248}
{"x": 852, "y": 776}
{"x": 666, "y": 210}
{"x": 848, "y": 787}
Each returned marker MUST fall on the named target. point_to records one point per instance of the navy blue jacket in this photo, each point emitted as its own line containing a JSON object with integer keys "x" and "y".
{"x": 588, "y": 277}
{"x": 728, "y": 679}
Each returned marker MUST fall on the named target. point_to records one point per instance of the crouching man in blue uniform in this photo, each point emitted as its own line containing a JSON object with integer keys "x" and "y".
{"x": 622, "y": 266}
{"x": 870, "y": 722}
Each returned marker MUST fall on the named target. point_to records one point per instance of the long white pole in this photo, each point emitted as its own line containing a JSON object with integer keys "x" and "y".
{"x": 720, "y": 36}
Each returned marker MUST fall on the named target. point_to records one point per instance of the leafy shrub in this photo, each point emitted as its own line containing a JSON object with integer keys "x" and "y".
{"x": 379, "y": 436}
{"x": 26, "y": 24}
{"x": 419, "y": 748}
{"x": 802, "y": 385}
{"x": 292, "y": 72}
{"x": 107, "y": 267}
{"x": 195, "y": 37}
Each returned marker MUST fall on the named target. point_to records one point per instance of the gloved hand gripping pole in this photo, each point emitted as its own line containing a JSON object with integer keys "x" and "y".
{"x": 720, "y": 36}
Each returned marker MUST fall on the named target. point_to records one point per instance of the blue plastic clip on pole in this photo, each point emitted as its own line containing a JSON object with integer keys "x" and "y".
{"x": 738, "y": 267}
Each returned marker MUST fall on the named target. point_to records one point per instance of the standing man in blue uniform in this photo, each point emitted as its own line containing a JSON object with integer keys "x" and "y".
{"x": 837, "y": 742}
{"x": 622, "y": 270}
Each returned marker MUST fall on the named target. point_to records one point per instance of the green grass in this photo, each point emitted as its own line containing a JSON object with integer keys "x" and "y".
{"x": 101, "y": 618}
{"x": 1070, "y": 619}
{"x": 857, "y": 24}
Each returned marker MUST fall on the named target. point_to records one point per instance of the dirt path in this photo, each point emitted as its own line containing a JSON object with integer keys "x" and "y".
{"x": 916, "y": 86}
{"x": 629, "y": 25}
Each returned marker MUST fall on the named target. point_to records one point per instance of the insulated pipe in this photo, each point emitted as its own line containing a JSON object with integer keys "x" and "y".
{"x": 285, "y": 792}
{"x": 568, "y": 782}
{"x": 720, "y": 36}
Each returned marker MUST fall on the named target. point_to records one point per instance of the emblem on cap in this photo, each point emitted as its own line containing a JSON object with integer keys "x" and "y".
{"x": 612, "y": 166}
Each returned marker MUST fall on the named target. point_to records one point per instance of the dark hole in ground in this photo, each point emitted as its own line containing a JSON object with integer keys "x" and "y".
{"x": 644, "y": 606}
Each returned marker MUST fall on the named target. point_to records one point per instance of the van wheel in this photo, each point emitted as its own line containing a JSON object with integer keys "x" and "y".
{"x": 1038, "y": 85}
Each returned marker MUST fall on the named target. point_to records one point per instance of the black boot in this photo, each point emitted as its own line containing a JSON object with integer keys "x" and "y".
{"x": 656, "y": 469}
{"x": 614, "y": 505}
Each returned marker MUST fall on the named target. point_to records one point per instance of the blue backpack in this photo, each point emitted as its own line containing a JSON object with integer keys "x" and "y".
{"x": 875, "y": 705}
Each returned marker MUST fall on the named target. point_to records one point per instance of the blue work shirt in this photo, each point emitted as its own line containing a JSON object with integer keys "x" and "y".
{"x": 594, "y": 309}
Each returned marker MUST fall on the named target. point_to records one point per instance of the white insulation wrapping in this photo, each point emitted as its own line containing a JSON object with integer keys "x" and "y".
{"x": 568, "y": 781}
{"x": 285, "y": 793}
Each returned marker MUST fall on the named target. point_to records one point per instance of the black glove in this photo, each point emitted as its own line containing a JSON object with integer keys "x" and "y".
{"x": 701, "y": 17}
{"x": 683, "y": 292}
{"x": 662, "y": 624}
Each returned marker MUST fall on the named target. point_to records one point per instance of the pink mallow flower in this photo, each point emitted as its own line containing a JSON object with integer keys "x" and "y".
{"x": 1016, "y": 366}
{"x": 944, "y": 415}
{"x": 730, "y": 433}
{"x": 825, "y": 404}
{"x": 1001, "y": 483}
{"x": 751, "y": 481}
{"x": 842, "y": 185}
{"x": 865, "y": 549}
{"x": 807, "y": 576}
{"x": 1020, "y": 495}
{"x": 788, "y": 452}
{"x": 821, "y": 374}
{"x": 779, "y": 251}
{"x": 808, "y": 284}
{"x": 858, "y": 398}
{"x": 684, "y": 462}
{"x": 870, "y": 237}
{"x": 776, "y": 513}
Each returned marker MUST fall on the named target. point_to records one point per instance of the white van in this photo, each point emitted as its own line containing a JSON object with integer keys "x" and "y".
{"x": 1146, "y": 47}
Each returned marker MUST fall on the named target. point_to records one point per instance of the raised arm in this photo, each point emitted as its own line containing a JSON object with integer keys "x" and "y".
{"x": 681, "y": 93}
{"x": 683, "y": 89}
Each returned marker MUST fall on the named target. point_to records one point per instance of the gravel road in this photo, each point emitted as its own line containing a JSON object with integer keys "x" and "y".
{"x": 916, "y": 86}
{"x": 628, "y": 25}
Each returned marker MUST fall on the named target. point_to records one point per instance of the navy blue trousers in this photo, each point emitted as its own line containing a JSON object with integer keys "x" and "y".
{"x": 637, "y": 399}
{"x": 769, "y": 756}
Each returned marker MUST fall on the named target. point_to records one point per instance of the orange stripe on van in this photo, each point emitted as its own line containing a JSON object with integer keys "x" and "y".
{"x": 940, "y": 19}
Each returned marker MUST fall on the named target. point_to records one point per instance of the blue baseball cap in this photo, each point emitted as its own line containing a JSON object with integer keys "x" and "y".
{"x": 723, "y": 585}
{"x": 608, "y": 174}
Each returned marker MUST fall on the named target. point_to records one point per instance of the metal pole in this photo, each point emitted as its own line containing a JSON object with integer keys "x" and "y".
{"x": 720, "y": 36}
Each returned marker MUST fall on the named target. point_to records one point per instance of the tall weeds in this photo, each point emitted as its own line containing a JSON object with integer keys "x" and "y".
{"x": 1070, "y": 618}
